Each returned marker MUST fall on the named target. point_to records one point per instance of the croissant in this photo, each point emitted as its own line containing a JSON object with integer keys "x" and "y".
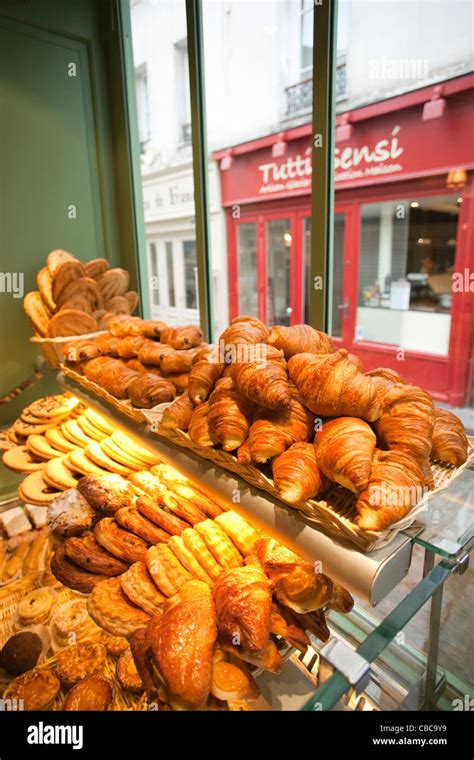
{"x": 149, "y": 390}
{"x": 357, "y": 361}
{"x": 181, "y": 337}
{"x": 243, "y": 453}
{"x": 261, "y": 376}
{"x": 344, "y": 450}
{"x": 230, "y": 415}
{"x": 243, "y": 329}
{"x": 204, "y": 374}
{"x": 384, "y": 378}
{"x": 178, "y": 415}
{"x": 449, "y": 439}
{"x": 395, "y": 486}
{"x": 428, "y": 477}
{"x": 296, "y": 474}
{"x": 271, "y": 433}
{"x": 300, "y": 339}
{"x": 296, "y": 583}
{"x": 181, "y": 644}
{"x": 332, "y": 386}
{"x": 243, "y": 602}
{"x": 407, "y": 421}
{"x": 199, "y": 430}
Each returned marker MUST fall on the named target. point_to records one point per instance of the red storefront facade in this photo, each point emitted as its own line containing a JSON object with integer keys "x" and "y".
{"x": 392, "y": 162}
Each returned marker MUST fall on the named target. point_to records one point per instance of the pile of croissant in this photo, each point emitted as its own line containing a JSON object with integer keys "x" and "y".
{"x": 286, "y": 397}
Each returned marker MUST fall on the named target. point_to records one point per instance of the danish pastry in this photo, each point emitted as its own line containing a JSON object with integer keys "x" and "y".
{"x": 106, "y": 493}
{"x": 111, "y": 610}
{"x": 119, "y": 542}
{"x": 116, "y": 645}
{"x": 242, "y": 534}
{"x": 80, "y": 661}
{"x": 71, "y": 623}
{"x": 219, "y": 544}
{"x": 131, "y": 519}
{"x": 187, "y": 559}
{"x": 35, "y": 607}
{"x": 36, "y": 689}
{"x": 90, "y": 555}
{"x": 164, "y": 519}
{"x": 138, "y": 586}
{"x": 127, "y": 674}
{"x": 93, "y": 693}
{"x": 167, "y": 572}
{"x": 71, "y": 575}
{"x": 198, "y": 548}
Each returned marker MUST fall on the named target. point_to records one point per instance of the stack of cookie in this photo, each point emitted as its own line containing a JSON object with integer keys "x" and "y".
{"x": 75, "y": 298}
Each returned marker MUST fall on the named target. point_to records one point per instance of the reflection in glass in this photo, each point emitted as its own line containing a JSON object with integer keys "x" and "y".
{"x": 190, "y": 273}
{"x": 278, "y": 244}
{"x": 338, "y": 310}
{"x": 154, "y": 273}
{"x": 170, "y": 272}
{"x": 247, "y": 268}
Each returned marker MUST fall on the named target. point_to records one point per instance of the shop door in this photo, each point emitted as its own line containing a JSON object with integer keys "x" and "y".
{"x": 267, "y": 267}
{"x": 340, "y": 272}
{"x": 173, "y": 286}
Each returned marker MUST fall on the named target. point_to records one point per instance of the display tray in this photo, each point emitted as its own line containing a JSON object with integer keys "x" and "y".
{"x": 53, "y": 348}
{"x": 122, "y": 406}
{"x": 335, "y": 513}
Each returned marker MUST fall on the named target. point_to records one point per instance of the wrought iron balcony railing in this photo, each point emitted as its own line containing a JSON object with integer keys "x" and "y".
{"x": 299, "y": 97}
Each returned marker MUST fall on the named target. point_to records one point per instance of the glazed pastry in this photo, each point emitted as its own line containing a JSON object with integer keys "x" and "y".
{"x": 106, "y": 493}
{"x": 199, "y": 428}
{"x": 111, "y": 610}
{"x": 141, "y": 659}
{"x": 93, "y": 693}
{"x": 160, "y": 517}
{"x": 131, "y": 519}
{"x": 243, "y": 329}
{"x": 178, "y": 414}
{"x": 261, "y": 376}
{"x": 71, "y": 575}
{"x": 220, "y": 546}
{"x": 187, "y": 559}
{"x": 91, "y": 556}
{"x": 21, "y": 652}
{"x": 344, "y": 450}
{"x": 395, "y": 486}
{"x": 127, "y": 674}
{"x": 332, "y": 386}
{"x": 407, "y": 421}
{"x": 149, "y": 390}
{"x": 232, "y": 682}
{"x": 80, "y": 661}
{"x": 296, "y": 474}
{"x": 36, "y": 689}
{"x": 300, "y": 339}
{"x": 69, "y": 514}
{"x": 243, "y": 602}
{"x": 450, "y": 444}
{"x": 35, "y": 607}
{"x": 242, "y": 534}
{"x": 116, "y": 645}
{"x": 193, "y": 541}
{"x": 229, "y": 416}
{"x": 181, "y": 643}
{"x": 139, "y": 588}
{"x": 271, "y": 433}
{"x": 296, "y": 583}
{"x": 119, "y": 542}
{"x": 167, "y": 572}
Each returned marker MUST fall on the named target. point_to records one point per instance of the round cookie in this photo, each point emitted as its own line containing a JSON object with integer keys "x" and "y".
{"x": 79, "y": 462}
{"x": 58, "y": 475}
{"x": 35, "y": 490}
{"x": 19, "y": 459}
{"x": 58, "y": 441}
{"x": 97, "y": 455}
{"x": 39, "y": 447}
{"x": 98, "y": 421}
{"x": 73, "y": 433}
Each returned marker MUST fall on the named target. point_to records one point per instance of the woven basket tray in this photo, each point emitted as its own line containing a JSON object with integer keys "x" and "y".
{"x": 336, "y": 513}
{"x": 53, "y": 348}
{"x": 124, "y": 407}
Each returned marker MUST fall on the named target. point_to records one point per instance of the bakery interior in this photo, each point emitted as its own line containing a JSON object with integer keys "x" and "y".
{"x": 248, "y": 520}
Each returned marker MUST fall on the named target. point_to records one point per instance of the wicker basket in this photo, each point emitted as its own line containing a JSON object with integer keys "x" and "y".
{"x": 124, "y": 407}
{"x": 53, "y": 348}
{"x": 336, "y": 513}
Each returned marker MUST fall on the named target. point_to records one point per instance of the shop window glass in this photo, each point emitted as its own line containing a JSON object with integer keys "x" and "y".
{"x": 247, "y": 268}
{"x": 154, "y": 285}
{"x": 278, "y": 250}
{"x": 170, "y": 273}
{"x": 406, "y": 262}
{"x": 190, "y": 273}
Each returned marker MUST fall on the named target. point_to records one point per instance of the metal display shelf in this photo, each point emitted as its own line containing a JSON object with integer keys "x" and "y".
{"x": 369, "y": 577}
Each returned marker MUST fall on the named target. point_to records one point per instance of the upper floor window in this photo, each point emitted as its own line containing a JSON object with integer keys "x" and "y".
{"x": 143, "y": 110}
{"x": 306, "y": 38}
{"x": 183, "y": 92}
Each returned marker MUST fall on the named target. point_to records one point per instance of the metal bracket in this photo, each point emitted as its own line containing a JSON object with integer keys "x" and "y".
{"x": 348, "y": 662}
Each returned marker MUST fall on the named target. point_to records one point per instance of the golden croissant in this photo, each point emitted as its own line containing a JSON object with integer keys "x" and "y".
{"x": 272, "y": 432}
{"x": 407, "y": 421}
{"x": 204, "y": 374}
{"x": 300, "y": 339}
{"x": 230, "y": 415}
{"x": 199, "y": 430}
{"x": 449, "y": 439}
{"x": 396, "y": 485}
{"x": 296, "y": 474}
{"x": 260, "y": 374}
{"x": 332, "y": 386}
{"x": 384, "y": 378}
{"x": 344, "y": 450}
{"x": 243, "y": 329}
{"x": 178, "y": 414}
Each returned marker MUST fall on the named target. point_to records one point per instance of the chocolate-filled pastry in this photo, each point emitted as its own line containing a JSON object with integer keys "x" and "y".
{"x": 131, "y": 519}
{"x": 152, "y": 352}
{"x": 122, "y": 325}
{"x": 71, "y": 575}
{"x": 180, "y": 381}
{"x": 179, "y": 361}
{"x": 149, "y": 390}
{"x": 138, "y": 586}
{"x": 91, "y": 556}
{"x": 178, "y": 415}
{"x": 161, "y": 517}
{"x": 111, "y": 610}
{"x": 127, "y": 674}
{"x": 181, "y": 337}
{"x": 129, "y": 347}
{"x": 93, "y": 693}
{"x": 81, "y": 350}
{"x": 106, "y": 493}
{"x": 110, "y": 374}
{"x": 107, "y": 344}
{"x": 120, "y": 542}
